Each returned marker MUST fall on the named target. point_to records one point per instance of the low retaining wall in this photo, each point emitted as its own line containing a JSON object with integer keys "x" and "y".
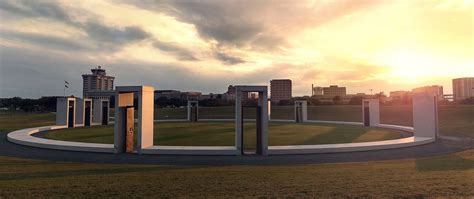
{"x": 24, "y": 137}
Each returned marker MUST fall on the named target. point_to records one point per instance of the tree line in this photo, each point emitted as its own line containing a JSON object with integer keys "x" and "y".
{"x": 48, "y": 104}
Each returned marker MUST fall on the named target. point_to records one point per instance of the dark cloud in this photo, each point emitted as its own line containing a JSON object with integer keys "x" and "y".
{"x": 174, "y": 49}
{"x": 258, "y": 25}
{"x": 106, "y": 36}
{"x": 44, "y": 40}
{"x": 33, "y": 8}
{"x": 227, "y": 59}
{"x": 231, "y": 23}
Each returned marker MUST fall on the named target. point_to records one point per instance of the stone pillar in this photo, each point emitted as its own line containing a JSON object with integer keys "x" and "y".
{"x": 101, "y": 111}
{"x": 263, "y": 102}
{"x": 146, "y": 117}
{"x": 371, "y": 112}
{"x": 425, "y": 115}
{"x": 269, "y": 109}
{"x": 88, "y": 112}
{"x": 301, "y": 111}
{"x": 80, "y": 112}
{"x": 238, "y": 119}
{"x": 193, "y": 115}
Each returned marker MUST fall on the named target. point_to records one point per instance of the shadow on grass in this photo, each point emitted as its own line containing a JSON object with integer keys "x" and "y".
{"x": 445, "y": 163}
{"x": 339, "y": 134}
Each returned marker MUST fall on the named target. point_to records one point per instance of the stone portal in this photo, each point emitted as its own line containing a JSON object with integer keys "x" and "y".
{"x": 66, "y": 111}
{"x": 261, "y": 118}
{"x": 124, "y": 130}
{"x": 301, "y": 111}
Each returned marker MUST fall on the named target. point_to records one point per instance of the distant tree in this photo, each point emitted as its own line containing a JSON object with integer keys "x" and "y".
{"x": 356, "y": 100}
{"x": 468, "y": 101}
{"x": 314, "y": 101}
{"x": 336, "y": 99}
{"x": 162, "y": 102}
{"x": 47, "y": 104}
{"x": 285, "y": 102}
{"x": 176, "y": 102}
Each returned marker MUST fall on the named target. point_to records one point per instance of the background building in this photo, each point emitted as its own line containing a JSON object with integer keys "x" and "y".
{"x": 334, "y": 90}
{"x": 97, "y": 84}
{"x": 401, "y": 96}
{"x": 168, "y": 94}
{"x": 280, "y": 89}
{"x": 463, "y": 88}
{"x": 435, "y": 90}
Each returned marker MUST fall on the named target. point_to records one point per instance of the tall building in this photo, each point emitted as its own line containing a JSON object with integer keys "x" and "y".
{"x": 463, "y": 88}
{"x": 97, "y": 84}
{"x": 435, "y": 90}
{"x": 334, "y": 90}
{"x": 280, "y": 89}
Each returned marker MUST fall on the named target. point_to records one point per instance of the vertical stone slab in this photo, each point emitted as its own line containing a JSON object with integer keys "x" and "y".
{"x": 190, "y": 106}
{"x": 80, "y": 114}
{"x": 238, "y": 119}
{"x": 98, "y": 111}
{"x": 425, "y": 115}
{"x": 263, "y": 100}
{"x": 145, "y": 117}
{"x": 130, "y": 129}
{"x": 269, "y": 109}
{"x": 88, "y": 112}
{"x": 122, "y": 102}
{"x": 374, "y": 111}
{"x": 61, "y": 111}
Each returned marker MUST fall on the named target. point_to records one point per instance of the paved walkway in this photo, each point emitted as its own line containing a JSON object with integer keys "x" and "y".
{"x": 443, "y": 146}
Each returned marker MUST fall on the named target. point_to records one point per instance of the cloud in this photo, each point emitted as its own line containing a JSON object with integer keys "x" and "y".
{"x": 258, "y": 25}
{"x": 227, "y": 59}
{"x": 102, "y": 36}
{"x": 112, "y": 37}
{"x": 33, "y": 9}
{"x": 172, "y": 48}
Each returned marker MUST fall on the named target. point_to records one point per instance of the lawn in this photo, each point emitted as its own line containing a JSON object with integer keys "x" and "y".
{"x": 223, "y": 134}
{"x": 442, "y": 176}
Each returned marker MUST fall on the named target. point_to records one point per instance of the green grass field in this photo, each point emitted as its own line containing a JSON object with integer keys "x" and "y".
{"x": 223, "y": 134}
{"x": 442, "y": 176}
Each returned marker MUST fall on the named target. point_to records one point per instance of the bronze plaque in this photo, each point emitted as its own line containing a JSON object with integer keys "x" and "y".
{"x": 129, "y": 129}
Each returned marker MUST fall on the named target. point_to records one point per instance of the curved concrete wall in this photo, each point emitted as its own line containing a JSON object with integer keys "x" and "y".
{"x": 24, "y": 137}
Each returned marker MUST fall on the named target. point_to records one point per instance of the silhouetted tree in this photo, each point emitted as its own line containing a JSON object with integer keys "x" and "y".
{"x": 356, "y": 100}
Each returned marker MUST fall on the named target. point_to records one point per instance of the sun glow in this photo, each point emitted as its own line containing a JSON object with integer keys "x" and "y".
{"x": 411, "y": 65}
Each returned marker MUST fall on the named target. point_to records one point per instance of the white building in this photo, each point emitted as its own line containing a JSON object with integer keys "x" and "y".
{"x": 463, "y": 88}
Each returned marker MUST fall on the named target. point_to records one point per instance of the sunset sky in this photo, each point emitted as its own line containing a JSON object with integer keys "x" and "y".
{"x": 207, "y": 45}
